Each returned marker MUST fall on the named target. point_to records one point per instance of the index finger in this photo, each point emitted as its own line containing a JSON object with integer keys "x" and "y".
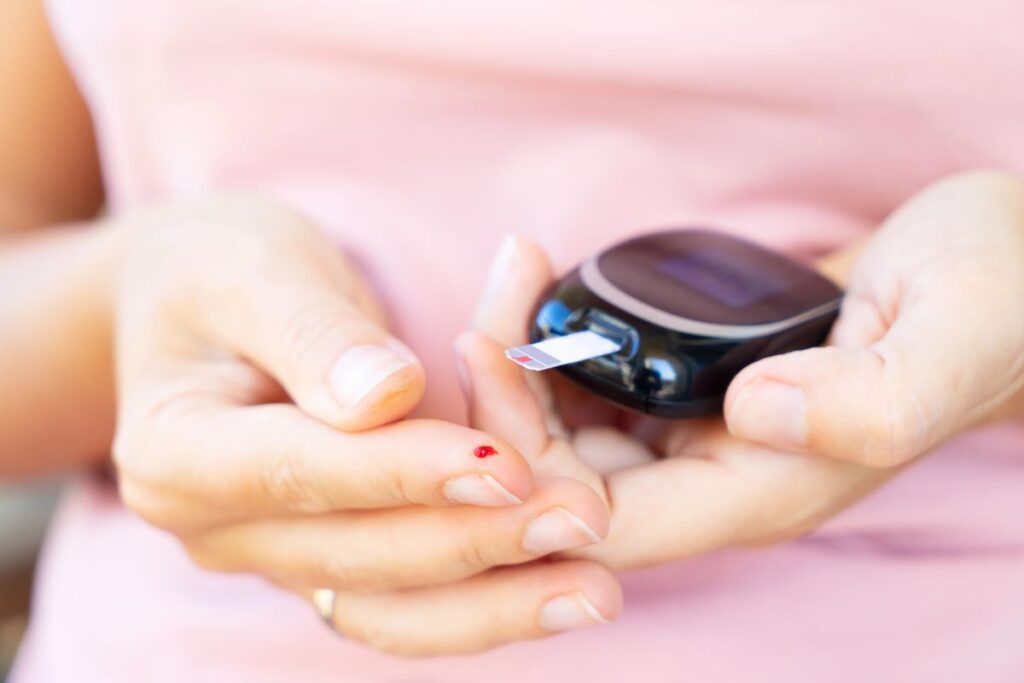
{"x": 275, "y": 459}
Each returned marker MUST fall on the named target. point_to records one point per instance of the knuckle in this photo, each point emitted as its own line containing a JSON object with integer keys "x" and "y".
{"x": 283, "y": 481}
{"x": 306, "y": 331}
{"x": 472, "y": 556}
{"x": 135, "y": 498}
{"x": 150, "y": 506}
{"x": 150, "y": 427}
{"x": 386, "y": 639}
{"x": 895, "y": 432}
{"x": 133, "y": 445}
{"x": 395, "y": 484}
{"x": 339, "y": 571}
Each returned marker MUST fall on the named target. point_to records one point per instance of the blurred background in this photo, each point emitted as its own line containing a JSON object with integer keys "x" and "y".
{"x": 25, "y": 510}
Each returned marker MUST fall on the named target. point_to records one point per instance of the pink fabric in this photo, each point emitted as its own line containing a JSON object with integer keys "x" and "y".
{"x": 418, "y": 134}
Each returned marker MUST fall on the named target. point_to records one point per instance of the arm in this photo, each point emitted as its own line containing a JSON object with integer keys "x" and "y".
{"x": 56, "y": 389}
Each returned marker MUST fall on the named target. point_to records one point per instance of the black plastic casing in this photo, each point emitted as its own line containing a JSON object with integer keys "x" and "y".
{"x": 659, "y": 371}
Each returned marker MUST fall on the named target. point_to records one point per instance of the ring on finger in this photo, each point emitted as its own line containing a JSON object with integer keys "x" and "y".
{"x": 325, "y": 601}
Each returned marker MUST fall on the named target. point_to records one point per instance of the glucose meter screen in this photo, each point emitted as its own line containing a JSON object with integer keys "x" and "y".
{"x": 716, "y": 276}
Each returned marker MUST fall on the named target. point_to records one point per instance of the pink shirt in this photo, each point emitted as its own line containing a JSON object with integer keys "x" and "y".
{"x": 418, "y": 134}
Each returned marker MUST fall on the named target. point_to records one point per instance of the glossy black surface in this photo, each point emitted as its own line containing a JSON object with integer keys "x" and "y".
{"x": 661, "y": 372}
{"x": 713, "y": 277}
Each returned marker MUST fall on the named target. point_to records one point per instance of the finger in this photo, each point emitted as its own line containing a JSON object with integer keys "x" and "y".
{"x": 502, "y": 403}
{"x": 518, "y": 277}
{"x": 581, "y": 407}
{"x": 293, "y": 305}
{"x": 925, "y": 378}
{"x": 275, "y": 459}
{"x": 425, "y": 546}
{"x": 608, "y": 449}
{"x": 488, "y": 610}
{"x": 287, "y": 301}
{"x": 499, "y": 398}
{"x": 925, "y": 345}
{"x": 708, "y": 508}
{"x": 716, "y": 491}
{"x": 335, "y": 363}
{"x": 520, "y": 274}
{"x": 517, "y": 280}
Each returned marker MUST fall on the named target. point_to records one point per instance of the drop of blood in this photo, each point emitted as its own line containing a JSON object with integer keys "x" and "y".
{"x": 485, "y": 451}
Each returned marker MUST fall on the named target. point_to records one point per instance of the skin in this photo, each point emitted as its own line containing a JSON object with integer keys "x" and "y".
{"x": 230, "y": 308}
{"x": 925, "y": 347}
{"x": 52, "y": 332}
{"x": 236, "y": 433}
{"x": 227, "y": 431}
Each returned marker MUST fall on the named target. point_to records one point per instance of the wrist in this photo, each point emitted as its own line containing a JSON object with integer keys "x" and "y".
{"x": 56, "y": 352}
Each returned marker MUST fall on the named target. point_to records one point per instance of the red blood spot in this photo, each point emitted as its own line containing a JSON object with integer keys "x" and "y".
{"x": 485, "y": 451}
{"x": 522, "y": 359}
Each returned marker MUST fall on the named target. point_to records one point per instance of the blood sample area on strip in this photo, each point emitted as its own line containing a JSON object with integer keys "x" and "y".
{"x": 572, "y": 348}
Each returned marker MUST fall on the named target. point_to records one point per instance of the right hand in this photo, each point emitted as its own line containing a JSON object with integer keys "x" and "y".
{"x": 259, "y": 397}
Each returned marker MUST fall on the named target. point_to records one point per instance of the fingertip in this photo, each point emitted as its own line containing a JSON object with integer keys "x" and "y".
{"x": 771, "y": 413}
{"x": 835, "y": 402}
{"x": 603, "y": 589}
{"x": 581, "y": 501}
{"x": 788, "y": 368}
{"x": 480, "y": 490}
{"x": 506, "y": 464}
{"x": 736, "y": 387}
{"x": 374, "y": 384}
{"x": 589, "y": 595}
{"x": 488, "y": 461}
{"x": 391, "y": 398}
{"x": 767, "y": 401}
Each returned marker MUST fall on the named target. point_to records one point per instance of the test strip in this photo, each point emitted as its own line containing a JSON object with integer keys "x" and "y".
{"x": 572, "y": 348}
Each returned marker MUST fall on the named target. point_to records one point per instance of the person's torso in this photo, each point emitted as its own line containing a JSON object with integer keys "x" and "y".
{"x": 420, "y": 133}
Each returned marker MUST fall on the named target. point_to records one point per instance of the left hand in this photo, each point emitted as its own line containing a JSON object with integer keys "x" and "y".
{"x": 924, "y": 348}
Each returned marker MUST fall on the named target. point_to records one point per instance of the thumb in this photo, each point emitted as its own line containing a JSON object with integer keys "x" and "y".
{"x": 336, "y": 362}
{"x": 927, "y": 344}
{"x": 886, "y": 394}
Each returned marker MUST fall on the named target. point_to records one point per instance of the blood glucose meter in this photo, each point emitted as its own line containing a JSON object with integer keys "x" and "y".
{"x": 662, "y": 323}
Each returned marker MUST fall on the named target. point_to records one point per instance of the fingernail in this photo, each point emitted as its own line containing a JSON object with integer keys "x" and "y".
{"x": 570, "y": 611}
{"x": 555, "y": 530}
{"x": 770, "y": 412}
{"x": 479, "y": 489}
{"x": 361, "y": 369}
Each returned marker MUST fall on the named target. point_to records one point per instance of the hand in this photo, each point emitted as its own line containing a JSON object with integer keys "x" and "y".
{"x": 930, "y": 341}
{"x": 259, "y": 393}
{"x": 675, "y": 488}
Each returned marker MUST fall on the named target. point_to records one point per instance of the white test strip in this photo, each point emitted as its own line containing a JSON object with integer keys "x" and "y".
{"x": 572, "y": 348}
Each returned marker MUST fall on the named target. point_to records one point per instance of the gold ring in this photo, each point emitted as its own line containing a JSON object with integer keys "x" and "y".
{"x": 325, "y": 601}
